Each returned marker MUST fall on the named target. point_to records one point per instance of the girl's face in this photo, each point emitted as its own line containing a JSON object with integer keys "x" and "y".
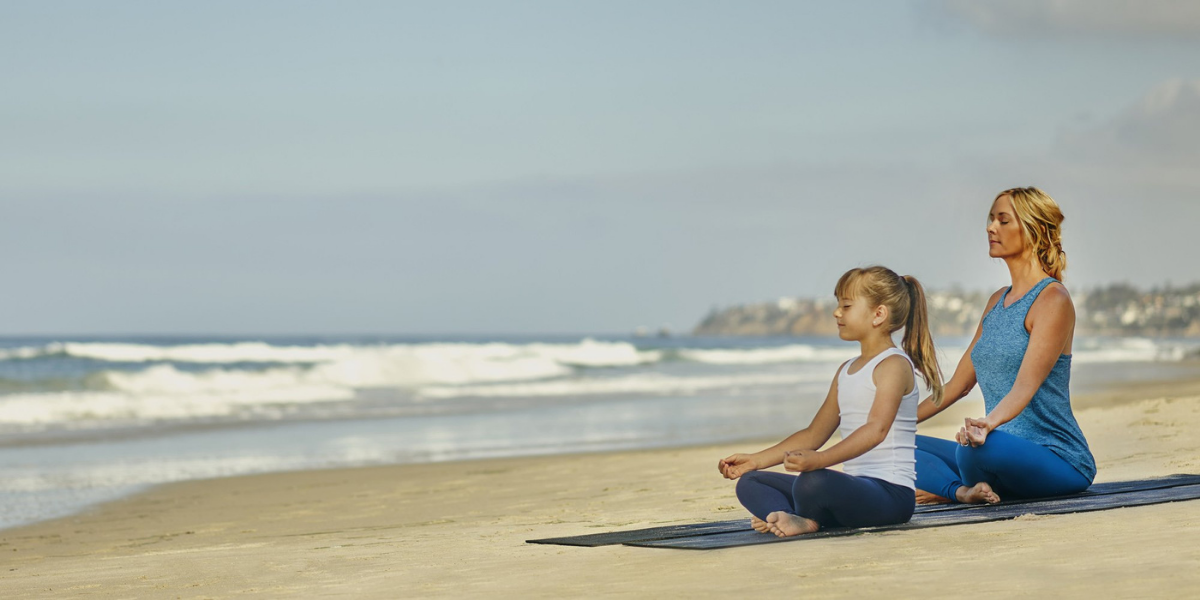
{"x": 1003, "y": 230}
{"x": 855, "y": 318}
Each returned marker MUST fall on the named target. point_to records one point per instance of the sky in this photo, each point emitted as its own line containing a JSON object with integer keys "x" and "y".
{"x": 568, "y": 167}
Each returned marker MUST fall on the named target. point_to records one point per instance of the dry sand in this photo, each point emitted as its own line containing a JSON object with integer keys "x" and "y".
{"x": 459, "y": 529}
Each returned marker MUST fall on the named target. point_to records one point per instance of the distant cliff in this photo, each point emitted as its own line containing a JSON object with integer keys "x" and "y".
{"x": 1118, "y": 309}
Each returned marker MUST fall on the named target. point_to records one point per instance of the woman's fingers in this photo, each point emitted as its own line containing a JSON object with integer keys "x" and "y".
{"x": 976, "y": 436}
{"x": 979, "y": 423}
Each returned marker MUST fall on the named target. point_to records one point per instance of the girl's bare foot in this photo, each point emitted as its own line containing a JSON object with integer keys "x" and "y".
{"x": 924, "y": 497}
{"x": 980, "y": 493}
{"x": 760, "y": 525}
{"x": 787, "y": 525}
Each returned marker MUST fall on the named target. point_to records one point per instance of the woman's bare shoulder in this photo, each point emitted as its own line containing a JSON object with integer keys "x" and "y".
{"x": 1055, "y": 296}
{"x": 1052, "y": 311}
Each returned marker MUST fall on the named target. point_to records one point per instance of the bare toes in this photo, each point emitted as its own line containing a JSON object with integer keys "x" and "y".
{"x": 759, "y": 525}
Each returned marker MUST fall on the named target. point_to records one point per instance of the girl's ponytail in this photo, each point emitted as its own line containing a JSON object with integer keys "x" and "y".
{"x": 918, "y": 342}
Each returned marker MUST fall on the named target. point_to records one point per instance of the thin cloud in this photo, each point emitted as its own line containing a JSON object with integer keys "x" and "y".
{"x": 1161, "y": 129}
{"x": 1147, "y": 18}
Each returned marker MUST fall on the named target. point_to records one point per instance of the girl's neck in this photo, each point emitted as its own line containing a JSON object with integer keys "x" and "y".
{"x": 872, "y": 346}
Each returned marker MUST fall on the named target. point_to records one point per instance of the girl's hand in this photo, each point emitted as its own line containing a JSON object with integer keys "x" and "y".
{"x": 736, "y": 465}
{"x": 974, "y": 432}
{"x": 802, "y": 461}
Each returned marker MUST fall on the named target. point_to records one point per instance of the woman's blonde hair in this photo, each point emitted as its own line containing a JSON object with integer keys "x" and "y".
{"x": 905, "y": 299}
{"x": 1041, "y": 226}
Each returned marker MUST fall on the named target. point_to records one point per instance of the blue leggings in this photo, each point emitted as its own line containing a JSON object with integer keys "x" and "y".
{"x": 1014, "y": 467}
{"x": 831, "y": 498}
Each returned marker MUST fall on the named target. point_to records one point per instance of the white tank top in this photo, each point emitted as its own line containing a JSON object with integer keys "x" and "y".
{"x": 894, "y": 459}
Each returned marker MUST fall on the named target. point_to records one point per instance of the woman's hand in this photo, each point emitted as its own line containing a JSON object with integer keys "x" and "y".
{"x": 736, "y": 465}
{"x": 802, "y": 461}
{"x": 974, "y": 432}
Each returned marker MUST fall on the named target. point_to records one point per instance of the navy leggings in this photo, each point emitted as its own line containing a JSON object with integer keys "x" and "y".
{"x": 831, "y": 498}
{"x": 1014, "y": 467}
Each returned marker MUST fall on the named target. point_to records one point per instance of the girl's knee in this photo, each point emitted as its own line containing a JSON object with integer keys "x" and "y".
{"x": 811, "y": 484}
{"x": 748, "y": 480}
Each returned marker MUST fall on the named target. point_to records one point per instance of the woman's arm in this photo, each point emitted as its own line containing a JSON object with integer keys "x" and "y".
{"x": 1051, "y": 324}
{"x": 824, "y": 423}
{"x": 963, "y": 380}
{"x": 893, "y": 376}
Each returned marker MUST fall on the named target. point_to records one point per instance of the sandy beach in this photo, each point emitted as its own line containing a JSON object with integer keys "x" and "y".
{"x": 459, "y": 529}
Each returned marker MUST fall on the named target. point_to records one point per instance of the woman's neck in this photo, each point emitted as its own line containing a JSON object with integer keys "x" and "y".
{"x": 1024, "y": 272}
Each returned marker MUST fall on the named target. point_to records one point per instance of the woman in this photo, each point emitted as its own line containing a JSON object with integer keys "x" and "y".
{"x": 1029, "y": 444}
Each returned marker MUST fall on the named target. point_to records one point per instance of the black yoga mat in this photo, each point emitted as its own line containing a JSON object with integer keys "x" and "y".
{"x": 1080, "y": 503}
{"x": 741, "y": 525}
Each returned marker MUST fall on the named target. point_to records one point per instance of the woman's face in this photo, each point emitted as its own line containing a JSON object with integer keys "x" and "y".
{"x": 1003, "y": 230}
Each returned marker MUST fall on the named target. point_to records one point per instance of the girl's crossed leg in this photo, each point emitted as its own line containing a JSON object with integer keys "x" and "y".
{"x": 790, "y": 505}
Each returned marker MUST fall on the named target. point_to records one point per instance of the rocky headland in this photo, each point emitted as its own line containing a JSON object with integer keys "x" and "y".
{"x": 1118, "y": 309}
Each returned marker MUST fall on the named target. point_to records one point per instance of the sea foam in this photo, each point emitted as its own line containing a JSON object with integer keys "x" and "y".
{"x": 253, "y": 379}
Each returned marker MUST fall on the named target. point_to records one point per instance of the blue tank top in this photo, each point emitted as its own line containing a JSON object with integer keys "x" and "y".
{"x": 1047, "y": 420}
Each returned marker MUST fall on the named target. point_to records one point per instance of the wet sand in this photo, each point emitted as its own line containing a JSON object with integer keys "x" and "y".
{"x": 459, "y": 529}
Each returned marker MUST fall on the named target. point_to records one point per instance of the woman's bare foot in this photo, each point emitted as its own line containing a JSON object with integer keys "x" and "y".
{"x": 980, "y": 493}
{"x": 787, "y": 525}
{"x": 924, "y": 497}
{"x": 760, "y": 525}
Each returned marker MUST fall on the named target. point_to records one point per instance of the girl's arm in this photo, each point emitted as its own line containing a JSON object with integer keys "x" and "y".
{"x": 812, "y": 437}
{"x": 893, "y": 377}
{"x": 1051, "y": 323}
{"x": 963, "y": 380}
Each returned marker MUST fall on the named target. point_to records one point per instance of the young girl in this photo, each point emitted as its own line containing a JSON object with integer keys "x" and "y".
{"x": 873, "y": 399}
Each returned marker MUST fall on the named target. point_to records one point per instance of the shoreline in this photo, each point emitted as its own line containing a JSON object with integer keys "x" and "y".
{"x": 458, "y": 528}
{"x": 965, "y": 408}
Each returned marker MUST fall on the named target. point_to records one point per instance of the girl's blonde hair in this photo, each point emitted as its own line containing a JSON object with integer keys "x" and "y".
{"x": 1041, "y": 227}
{"x": 905, "y": 299}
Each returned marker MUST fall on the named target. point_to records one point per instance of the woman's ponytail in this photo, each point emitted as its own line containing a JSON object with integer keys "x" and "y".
{"x": 918, "y": 342}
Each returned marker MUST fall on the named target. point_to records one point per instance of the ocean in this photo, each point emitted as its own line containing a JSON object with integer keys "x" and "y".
{"x": 87, "y": 420}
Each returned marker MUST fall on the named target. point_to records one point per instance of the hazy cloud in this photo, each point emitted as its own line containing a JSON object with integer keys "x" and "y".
{"x": 1177, "y": 18}
{"x": 1161, "y": 130}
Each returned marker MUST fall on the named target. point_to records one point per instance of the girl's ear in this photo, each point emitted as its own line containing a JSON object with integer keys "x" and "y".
{"x": 881, "y": 316}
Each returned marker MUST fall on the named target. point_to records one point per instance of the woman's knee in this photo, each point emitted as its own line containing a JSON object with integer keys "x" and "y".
{"x": 997, "y": 445}
{"x": 989, "y": 457}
